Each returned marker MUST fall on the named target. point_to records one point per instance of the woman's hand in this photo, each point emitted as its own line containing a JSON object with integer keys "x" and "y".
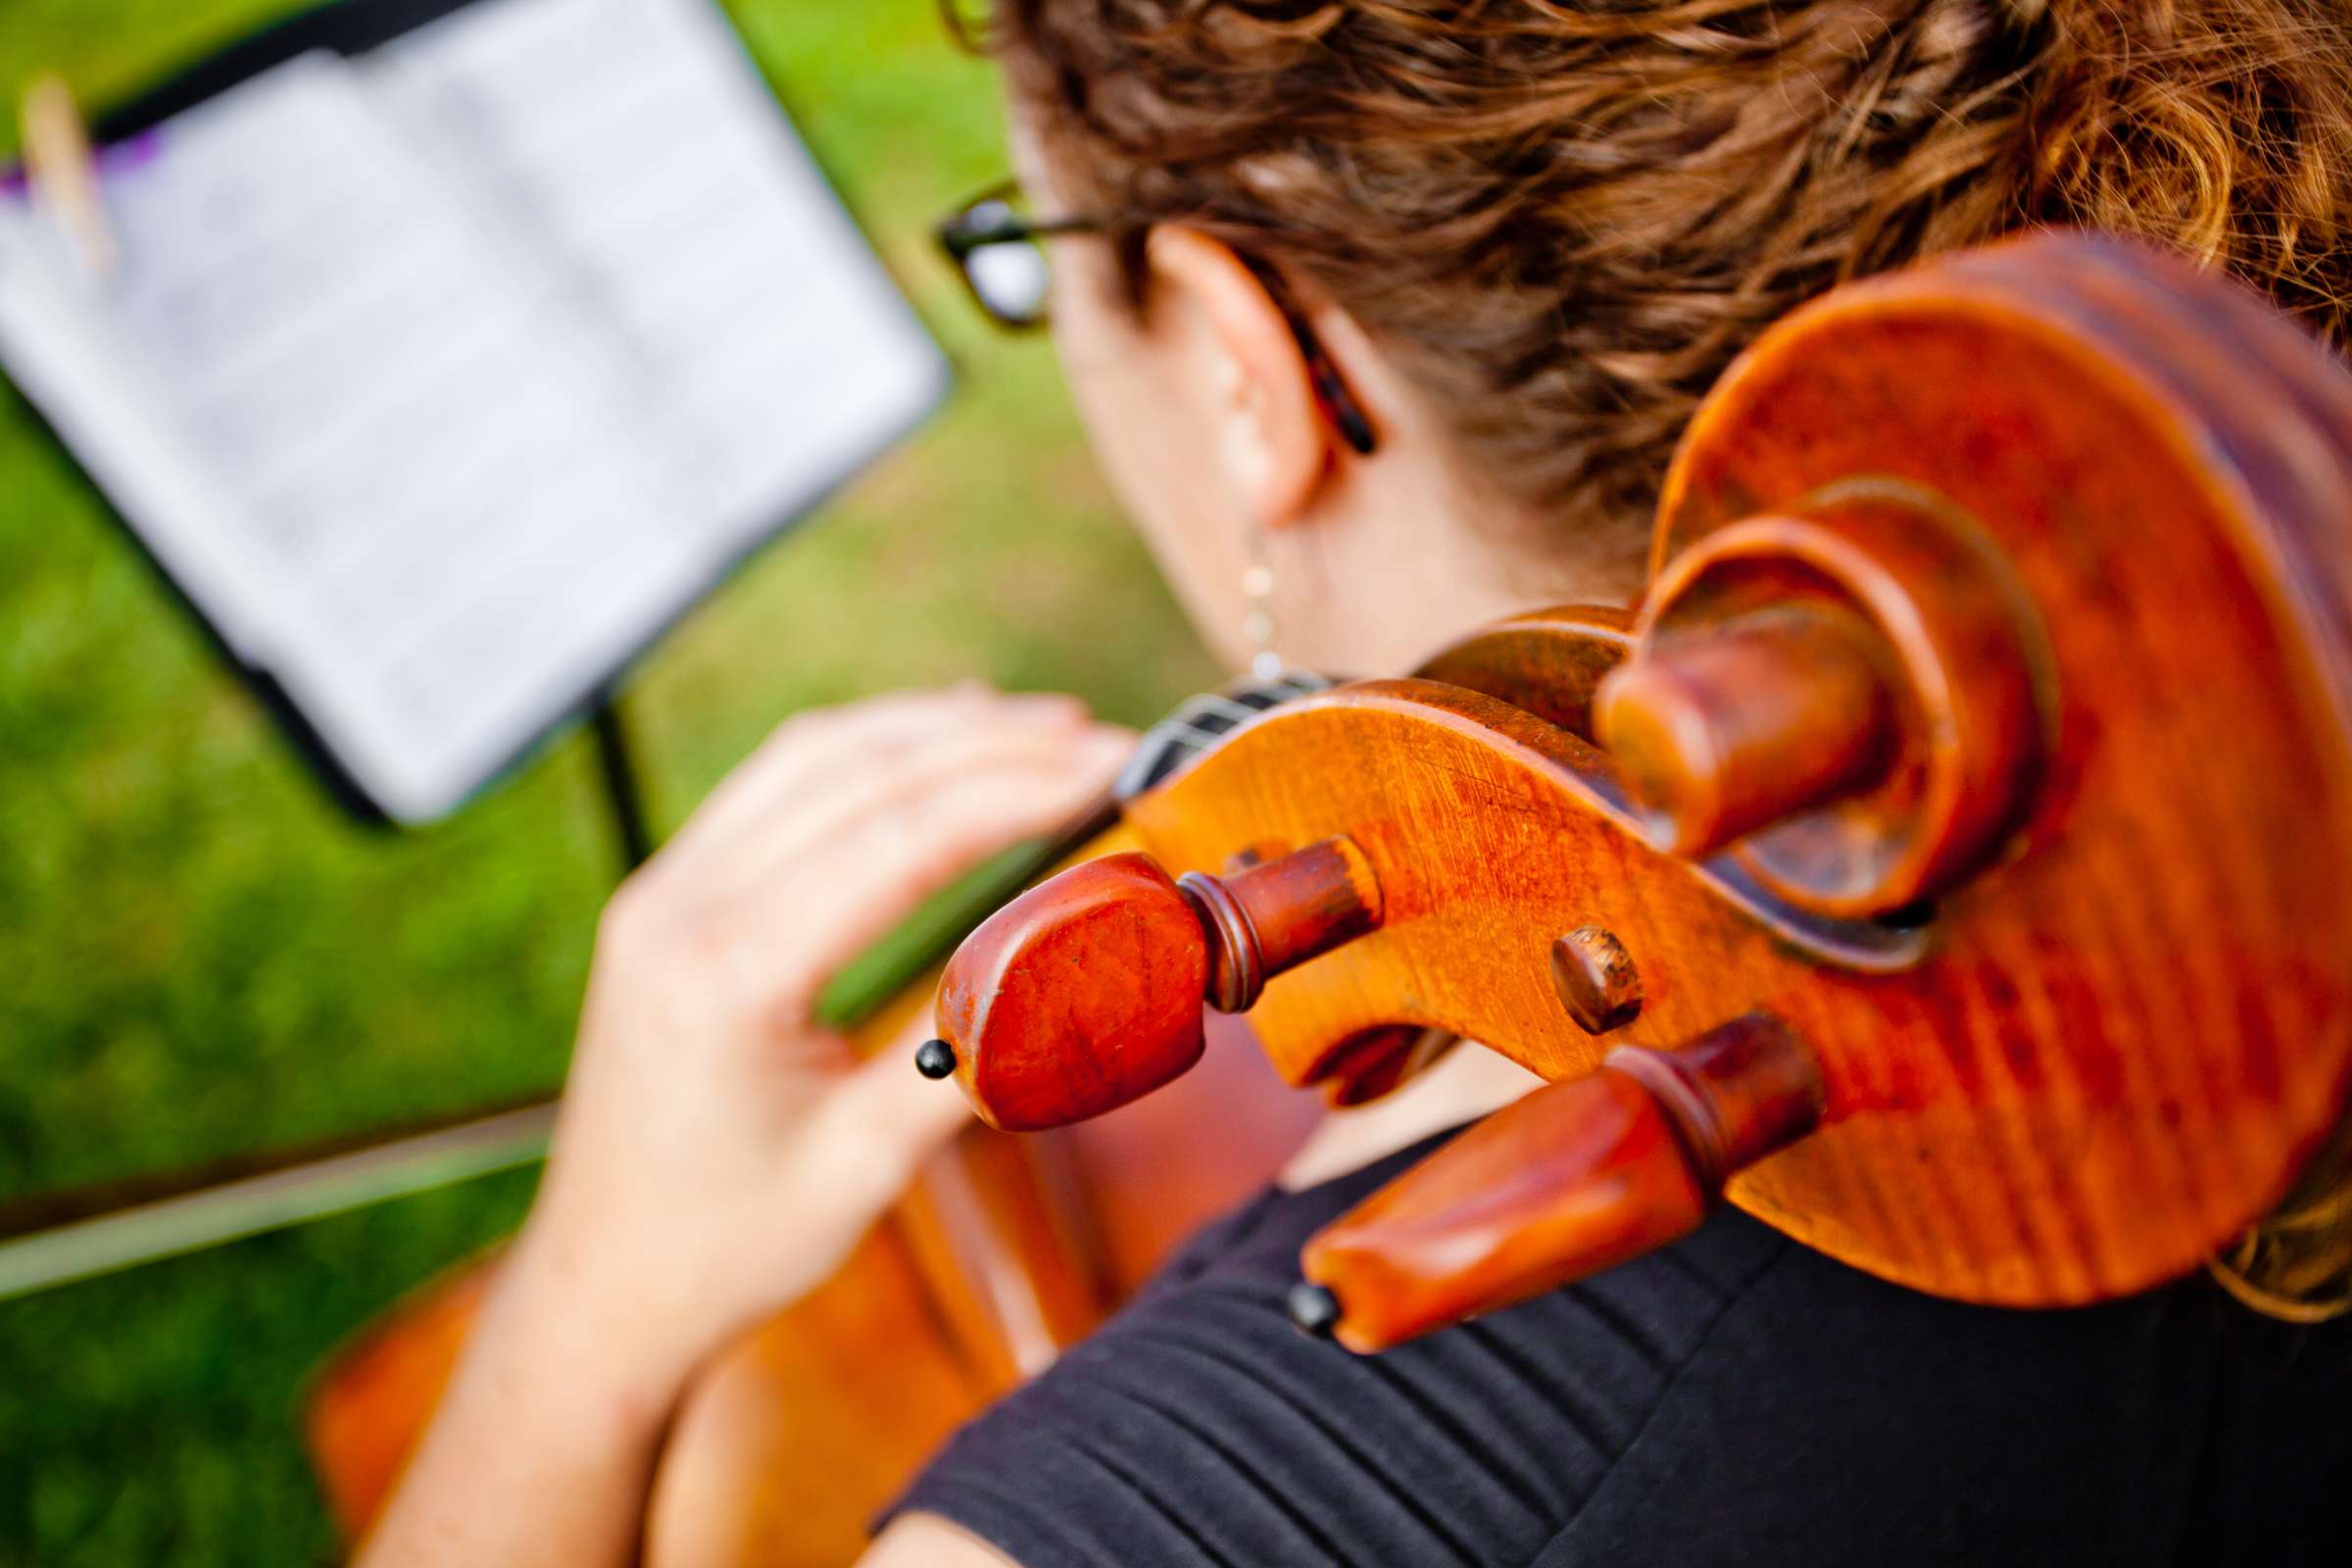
{"x": 717, "y": 1154}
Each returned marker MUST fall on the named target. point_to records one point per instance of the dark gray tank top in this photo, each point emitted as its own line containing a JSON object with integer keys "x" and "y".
{"x": 1737, "y": 1398}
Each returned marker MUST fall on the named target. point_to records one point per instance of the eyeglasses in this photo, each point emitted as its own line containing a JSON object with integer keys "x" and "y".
{"x": 996, "y": 246}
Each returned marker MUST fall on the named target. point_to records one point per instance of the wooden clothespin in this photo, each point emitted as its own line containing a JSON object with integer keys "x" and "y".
{"x": 63, "y": 169}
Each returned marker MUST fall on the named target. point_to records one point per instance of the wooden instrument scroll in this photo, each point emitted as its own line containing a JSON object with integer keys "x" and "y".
{"x": 1946, "y": 863}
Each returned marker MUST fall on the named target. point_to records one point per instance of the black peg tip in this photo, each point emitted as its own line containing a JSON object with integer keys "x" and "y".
{"x": 1315, "y": 1310}
{"x": 935, "y": 1058}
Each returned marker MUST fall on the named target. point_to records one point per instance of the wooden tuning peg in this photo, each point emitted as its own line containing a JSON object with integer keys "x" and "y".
{"x": 1855, "y": 698}
{"x": 1725, "y": 731}
{"x": 1579, "y": 1176}
{"x": 1085, "y": 991}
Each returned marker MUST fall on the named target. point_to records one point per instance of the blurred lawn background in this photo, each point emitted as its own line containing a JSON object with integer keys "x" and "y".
{"x": 202, "y": 956}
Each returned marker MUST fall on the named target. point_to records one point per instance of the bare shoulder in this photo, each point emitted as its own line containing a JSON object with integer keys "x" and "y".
{"x": 926, "y": 1541}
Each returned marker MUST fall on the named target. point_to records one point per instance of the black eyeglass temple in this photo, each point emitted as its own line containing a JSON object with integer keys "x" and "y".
{"x": 1339, "y": 404}
{"x": 1331, "y": 390}
{"x": 959, "y": 236}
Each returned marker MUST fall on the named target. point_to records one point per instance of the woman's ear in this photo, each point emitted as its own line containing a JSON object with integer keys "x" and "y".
{"x": 1249, "y": 376}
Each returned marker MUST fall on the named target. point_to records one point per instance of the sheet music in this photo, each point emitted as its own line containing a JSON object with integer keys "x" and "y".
{"x": 638, "y": 140}
{"x": 442, "y": 380}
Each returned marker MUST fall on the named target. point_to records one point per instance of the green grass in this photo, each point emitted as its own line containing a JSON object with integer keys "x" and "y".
{"x": 200, "y": 955}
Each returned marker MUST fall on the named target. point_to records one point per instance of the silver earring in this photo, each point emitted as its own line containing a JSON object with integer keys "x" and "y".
{"x": 1258, "y": 592}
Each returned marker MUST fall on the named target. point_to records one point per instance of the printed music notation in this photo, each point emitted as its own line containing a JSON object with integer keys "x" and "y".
{"x": 442, "y": 377}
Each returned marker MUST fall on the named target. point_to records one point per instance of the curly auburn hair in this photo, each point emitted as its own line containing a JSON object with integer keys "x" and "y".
{"x": 1565, "y": 218}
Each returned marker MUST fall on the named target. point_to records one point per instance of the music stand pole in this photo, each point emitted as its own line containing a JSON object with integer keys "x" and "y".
{"x": 615, "y": 759}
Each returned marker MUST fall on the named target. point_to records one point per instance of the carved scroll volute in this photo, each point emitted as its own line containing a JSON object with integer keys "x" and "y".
{"x": 1085, "y": 991}
{"x": 1857, "y": 695}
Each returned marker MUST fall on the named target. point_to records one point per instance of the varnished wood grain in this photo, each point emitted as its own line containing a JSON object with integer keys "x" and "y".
{"x": 1548, "y": 661}
{"x": 1749, "y": 720}
{"x": 1579, "y": 1176}
{"x": 366, "y": 1409}
{"x": 1855, "y": 686}
{"x": 1298, "y": 905}
{"x": 793, "y": 1440}
{"x": 1575, "y": 1178}
{"x": 1085, "y": 993}
{"x": 1078, "y": 996}
{"x": 2108, "y": 1051}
